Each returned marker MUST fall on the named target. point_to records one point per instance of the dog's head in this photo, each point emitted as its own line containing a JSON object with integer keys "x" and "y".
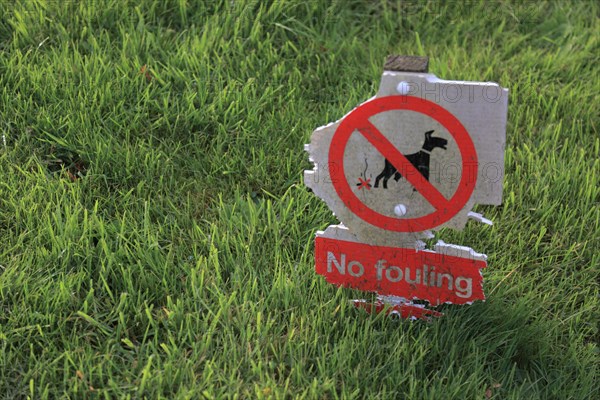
{"x": 431, "y": 142}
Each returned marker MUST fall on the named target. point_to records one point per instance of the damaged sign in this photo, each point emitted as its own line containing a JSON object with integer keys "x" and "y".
{"x": 435, "y": 277}
{"x": 411, "y": 160}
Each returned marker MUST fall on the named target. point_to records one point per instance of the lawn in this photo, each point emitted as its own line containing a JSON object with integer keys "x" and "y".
{"x": 156, "y": 238}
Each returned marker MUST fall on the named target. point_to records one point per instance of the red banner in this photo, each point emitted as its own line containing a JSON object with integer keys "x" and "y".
{"x": 412, "y": 274}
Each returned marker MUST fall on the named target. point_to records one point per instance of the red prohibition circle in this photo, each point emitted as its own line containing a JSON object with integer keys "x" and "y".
{"x": 358, "y": 119}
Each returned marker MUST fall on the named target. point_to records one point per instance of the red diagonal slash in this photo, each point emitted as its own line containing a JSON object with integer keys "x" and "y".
{"x": 405, "y": 167}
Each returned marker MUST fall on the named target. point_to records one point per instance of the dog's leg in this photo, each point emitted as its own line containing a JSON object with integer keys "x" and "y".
{"x": 397, "y": 176}
{"x": 388, "y": 170}
{"x": 385, "y": 181}
{"x": 378, "y": 178}
{"x": 424, "y": 170}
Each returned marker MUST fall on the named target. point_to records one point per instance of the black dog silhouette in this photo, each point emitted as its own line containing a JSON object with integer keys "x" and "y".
{"x": 420, "y": 160}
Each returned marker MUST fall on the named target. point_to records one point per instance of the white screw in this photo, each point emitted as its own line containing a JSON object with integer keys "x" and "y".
{"x": 400, "y": 210}
{"x": 403, "y": 88}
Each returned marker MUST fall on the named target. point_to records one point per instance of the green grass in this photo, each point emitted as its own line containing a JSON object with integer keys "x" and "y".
{"x": 156, "y": 237}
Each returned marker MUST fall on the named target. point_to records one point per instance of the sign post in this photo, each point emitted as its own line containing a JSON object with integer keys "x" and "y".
{"x": 415, "y": 158}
